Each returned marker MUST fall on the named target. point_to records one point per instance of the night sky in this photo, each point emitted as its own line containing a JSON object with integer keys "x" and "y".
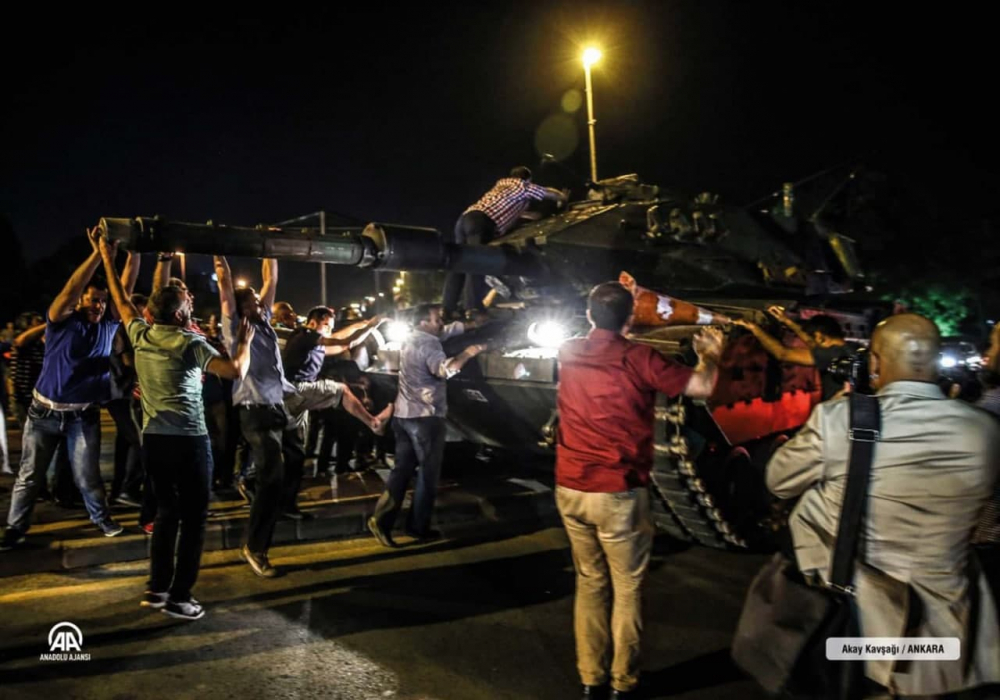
{"x": 408, "y": 113}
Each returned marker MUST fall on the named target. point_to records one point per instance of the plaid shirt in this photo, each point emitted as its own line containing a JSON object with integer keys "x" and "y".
{"x": 507, "y": 200}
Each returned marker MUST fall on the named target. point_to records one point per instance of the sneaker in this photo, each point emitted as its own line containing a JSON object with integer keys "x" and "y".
{"x": 109, "y": 527}
{"x": 258, "y": 562}
{"x": 125, "y": 500}
{"x": 147, "y": 528}
{"x": 11, "y": 538}
{"x": 151, "y": 599}
{"x": 384, "y": 538}
{"x": 190, "y": 610}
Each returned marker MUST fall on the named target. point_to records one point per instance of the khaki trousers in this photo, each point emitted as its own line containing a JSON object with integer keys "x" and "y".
{"x": 611, "y": 535}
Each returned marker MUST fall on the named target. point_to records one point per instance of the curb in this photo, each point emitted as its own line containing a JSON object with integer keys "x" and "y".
{"x": 331, "y": 521}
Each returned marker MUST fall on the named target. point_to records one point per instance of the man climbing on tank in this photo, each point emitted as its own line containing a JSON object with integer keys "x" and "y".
{"x": 493, "y": 215}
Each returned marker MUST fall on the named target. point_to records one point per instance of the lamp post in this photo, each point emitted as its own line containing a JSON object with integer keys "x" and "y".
{"x": 590, "y": 57}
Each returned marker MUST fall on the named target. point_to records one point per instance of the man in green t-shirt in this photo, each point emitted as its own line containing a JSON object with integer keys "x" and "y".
{"x": 169, "y": 361}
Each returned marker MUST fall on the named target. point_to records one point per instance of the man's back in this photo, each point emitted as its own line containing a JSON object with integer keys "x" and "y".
{"x": 931, "y": 475}
{"x": 607, "y": 389}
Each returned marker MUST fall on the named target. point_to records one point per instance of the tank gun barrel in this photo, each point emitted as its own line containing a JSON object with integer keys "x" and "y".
{"x": 375, "y": 246}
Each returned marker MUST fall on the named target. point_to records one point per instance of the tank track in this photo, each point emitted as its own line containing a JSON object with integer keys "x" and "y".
{"x": 682, "y": 507}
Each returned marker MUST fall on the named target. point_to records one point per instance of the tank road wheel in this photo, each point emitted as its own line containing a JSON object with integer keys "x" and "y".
{"x": 684, "y": 506}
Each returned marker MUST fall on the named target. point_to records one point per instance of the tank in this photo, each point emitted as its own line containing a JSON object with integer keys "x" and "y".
{"x": 788, "y": 249}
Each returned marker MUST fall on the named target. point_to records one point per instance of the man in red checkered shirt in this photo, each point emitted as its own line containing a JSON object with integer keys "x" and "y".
{"x": 493, "y": 215}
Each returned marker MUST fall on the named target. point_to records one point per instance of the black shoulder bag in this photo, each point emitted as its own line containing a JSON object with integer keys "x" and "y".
{"x": 781, "y": 636}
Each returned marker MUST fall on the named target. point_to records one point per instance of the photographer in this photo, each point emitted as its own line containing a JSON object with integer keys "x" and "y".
{"x": 932, "y": 471}
{"x": 824, "y": 346}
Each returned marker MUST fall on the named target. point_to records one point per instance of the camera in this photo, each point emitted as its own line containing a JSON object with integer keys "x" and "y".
{"x": 853, "y": 369}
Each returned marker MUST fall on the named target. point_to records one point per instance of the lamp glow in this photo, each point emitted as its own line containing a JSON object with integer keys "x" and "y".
{"x": 948, "y": 362}
{"x": 591, "y": 55}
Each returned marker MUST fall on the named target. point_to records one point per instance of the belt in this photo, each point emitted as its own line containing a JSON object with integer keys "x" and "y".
{"x": 56, "y": 406}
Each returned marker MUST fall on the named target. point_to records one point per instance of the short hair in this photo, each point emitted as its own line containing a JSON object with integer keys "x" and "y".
{"x": 139, "y": 299}
{"x": 521, "y": 172}
{"x": 422, "y": 312}
{"x": 97, "y": 285}
{"x": 281, "y": 306}
{"x": 610, "y": 306}
{"x": 243, "y": 295}
{"x": 825, "y": 324}
{"x": 165, "y": 302}
{"x": 177, "y": 282}
{"x": 318, "y": 313}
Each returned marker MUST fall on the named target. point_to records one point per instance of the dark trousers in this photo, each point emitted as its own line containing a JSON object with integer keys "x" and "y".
{"x": 179, "y": 469}
{"x": 478, "y": 229}
{"x": 294, "y": 455}
{"x": 420, "y": 449}
{"x": 264, "y": 426}
{"x": 128, "y": 475}
{"x": 222, "y": 422}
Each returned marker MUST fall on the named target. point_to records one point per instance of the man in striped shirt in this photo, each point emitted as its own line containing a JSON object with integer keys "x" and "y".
{"x": 493, "y": 215}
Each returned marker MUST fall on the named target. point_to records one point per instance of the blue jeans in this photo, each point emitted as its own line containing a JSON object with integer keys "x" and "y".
{"x": 419, "y": 443}
{"x": 43, "y": 431}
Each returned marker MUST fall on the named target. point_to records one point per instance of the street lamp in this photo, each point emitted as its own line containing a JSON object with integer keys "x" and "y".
{"x": 241, "y": 283}
{"x": 591, "y": 56}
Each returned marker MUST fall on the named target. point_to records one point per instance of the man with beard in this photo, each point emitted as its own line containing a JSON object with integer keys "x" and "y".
{"x": 75, "y": 381}
{"x": 169, "y": 360}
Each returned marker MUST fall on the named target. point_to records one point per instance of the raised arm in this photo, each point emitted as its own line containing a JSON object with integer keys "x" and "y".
{"x": 63, "y": 305}
{"x": 779, "y": 313}
{"x": 774, "y": 347}
{"x": 708, "y": 346}
{"x": 224, "y": 278}
{"x": 268, "y": 273}
{"x": 130, "y": 273}
{"x": 118, "y": 295}
{"x": 235, "y": 368}
{"x": 162, "y": 274}
{"x": 349, "y": 336}
{"x": 29, "y": 336}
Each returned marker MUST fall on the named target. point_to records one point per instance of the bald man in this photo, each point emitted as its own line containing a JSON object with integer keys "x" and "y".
{"x": 931, "y": 475}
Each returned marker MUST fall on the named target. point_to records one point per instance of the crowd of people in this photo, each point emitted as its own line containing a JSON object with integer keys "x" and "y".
{"x": 197, "y": 411}
{"x": 242, "y": 401}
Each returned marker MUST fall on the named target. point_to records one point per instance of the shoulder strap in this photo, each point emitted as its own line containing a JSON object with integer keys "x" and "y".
{"x": 866, "y": 422}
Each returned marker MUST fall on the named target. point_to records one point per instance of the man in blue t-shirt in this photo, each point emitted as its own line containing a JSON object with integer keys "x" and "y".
{"x": 75, "y": 380}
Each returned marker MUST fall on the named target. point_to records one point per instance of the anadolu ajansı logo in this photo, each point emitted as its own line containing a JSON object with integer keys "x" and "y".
{"x": 65, "y": 644}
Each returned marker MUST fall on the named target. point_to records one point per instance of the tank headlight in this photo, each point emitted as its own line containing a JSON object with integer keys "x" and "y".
{"x": 948, "y": 361}
{"x": 396, "y": 331}
{"x": 547, "y": 334}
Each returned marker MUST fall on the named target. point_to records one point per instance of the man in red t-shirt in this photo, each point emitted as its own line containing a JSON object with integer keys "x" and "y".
{"x": 607, "y": 394}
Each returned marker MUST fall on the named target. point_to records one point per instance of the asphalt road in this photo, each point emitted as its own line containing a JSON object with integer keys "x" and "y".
{"x": 480, "y": 615}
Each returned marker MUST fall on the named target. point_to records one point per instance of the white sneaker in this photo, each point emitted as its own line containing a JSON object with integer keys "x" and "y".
{"x": 190, "y": 610}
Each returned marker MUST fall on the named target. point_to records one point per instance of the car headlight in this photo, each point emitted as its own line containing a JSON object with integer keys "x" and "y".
{"x": 396, "y": 331}
{"x": 548, "y": 334}
{"x": 948, "y": 361}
